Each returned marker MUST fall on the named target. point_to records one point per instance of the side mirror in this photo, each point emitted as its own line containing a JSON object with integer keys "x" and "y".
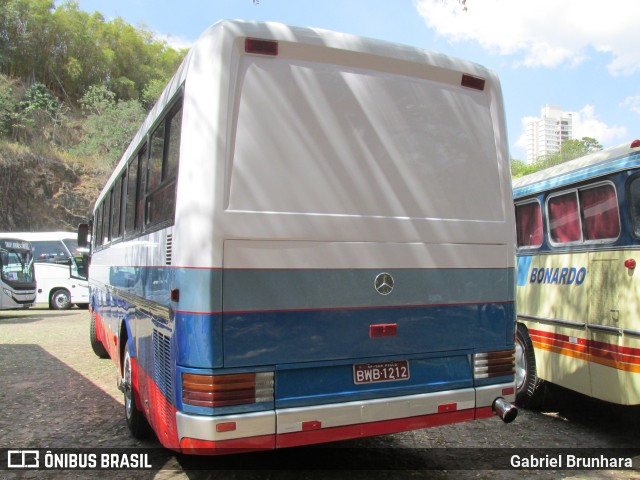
{"x": 83, "y": 235}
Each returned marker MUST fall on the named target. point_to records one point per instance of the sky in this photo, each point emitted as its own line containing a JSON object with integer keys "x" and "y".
{"x": 581, "y": 55}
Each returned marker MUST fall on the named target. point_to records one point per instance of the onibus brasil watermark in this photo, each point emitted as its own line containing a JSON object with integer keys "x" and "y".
{"x": 39, "y": 460}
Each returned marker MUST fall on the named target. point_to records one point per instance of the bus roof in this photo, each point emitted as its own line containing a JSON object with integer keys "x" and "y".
{"x": 596, "y": 164}
{"x": 219, "y": 36}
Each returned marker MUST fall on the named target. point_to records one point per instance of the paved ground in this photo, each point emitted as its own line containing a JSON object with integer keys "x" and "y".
{"x": 55, "y": 393}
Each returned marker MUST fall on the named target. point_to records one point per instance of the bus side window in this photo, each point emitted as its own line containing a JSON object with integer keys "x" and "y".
{"x": 564, "y": 218}
{"x": 97, "y": 225}
{"x": 600, "y": 216}
{"x": 163, "y": 165}
{"x": 106, "y": 218}
{"x": 634, "y": 194}
{"x": 116, "y": 223}
{"x": 130, "y": 205}
{"x": 529, "y": 224}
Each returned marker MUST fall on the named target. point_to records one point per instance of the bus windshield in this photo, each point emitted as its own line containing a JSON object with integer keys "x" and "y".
{"x": 16, "y": 262}
{"x": 78, "y": 256}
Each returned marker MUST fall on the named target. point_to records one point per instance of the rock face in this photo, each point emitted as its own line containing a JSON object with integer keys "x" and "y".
{"x": 44, "y": 193}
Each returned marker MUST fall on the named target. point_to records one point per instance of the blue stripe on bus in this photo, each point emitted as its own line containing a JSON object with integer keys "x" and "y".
{"x": 314, "y": 385}
{"x": 305, "y": 336}
{"x": 524, "y": 265}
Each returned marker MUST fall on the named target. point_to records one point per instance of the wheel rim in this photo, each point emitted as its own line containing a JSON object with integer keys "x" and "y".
{"x": 61, "y": 300}
{"x": 128, "y": 400}
{"x": 521, "y": 365}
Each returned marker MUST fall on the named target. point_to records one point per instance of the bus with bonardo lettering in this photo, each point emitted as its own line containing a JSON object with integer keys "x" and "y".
{"x": 309, "y": 239}
{"x": 17, "y": 277}
{"x": 578, "y": 242}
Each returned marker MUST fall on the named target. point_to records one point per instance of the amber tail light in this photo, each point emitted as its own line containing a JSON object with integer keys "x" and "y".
{"x": 227, "y": 390}
{"x": 494, "y": 364}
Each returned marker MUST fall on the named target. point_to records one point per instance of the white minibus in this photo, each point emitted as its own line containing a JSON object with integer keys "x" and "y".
{"x": 60, "y": 268}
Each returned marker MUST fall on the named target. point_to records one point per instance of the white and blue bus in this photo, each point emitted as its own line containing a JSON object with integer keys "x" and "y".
{"x": 17, "y": 277}
{"x": 578, "y": 243}
{"x": 309, "y": 239}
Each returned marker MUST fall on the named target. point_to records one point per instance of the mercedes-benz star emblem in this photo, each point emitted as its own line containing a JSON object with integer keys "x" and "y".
{"x": 383, "y": 284}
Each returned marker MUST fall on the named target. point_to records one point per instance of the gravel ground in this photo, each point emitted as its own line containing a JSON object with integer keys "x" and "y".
{"x": 55, "y": 394}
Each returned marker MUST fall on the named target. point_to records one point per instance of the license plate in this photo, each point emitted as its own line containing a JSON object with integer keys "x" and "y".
{"x": 380, "y": 372}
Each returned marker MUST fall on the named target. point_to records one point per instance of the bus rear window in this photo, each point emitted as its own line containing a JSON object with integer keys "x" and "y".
{"x": 529, "y": 225}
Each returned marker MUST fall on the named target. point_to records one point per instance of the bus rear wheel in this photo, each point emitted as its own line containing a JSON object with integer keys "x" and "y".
{"x": 526, "y": 377}
{"x": 96, "y": 344}
{"x": 136, "y": 421}
{"x": 60, "y": 300}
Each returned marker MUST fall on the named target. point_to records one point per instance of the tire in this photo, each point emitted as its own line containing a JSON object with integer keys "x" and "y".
{"x": 526, "y": 377}
{"x": 136, "y": 421}
{"x": 60, "y": 300}
{"x": 96, "y": 344}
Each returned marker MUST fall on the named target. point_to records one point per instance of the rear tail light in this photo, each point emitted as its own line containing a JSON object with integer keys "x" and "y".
{"x": 494, "y": 364}
{"x": 227, "y": 390}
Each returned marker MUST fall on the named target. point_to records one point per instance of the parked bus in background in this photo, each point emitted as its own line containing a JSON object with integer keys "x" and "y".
{"x": 578, "y": 241}
{"x": 60, "y": 268}
{"x": 17, "y": 277}
{"x": 309, "y": 239}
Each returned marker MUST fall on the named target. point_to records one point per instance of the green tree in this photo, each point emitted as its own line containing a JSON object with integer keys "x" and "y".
{"x": 68, "y": 50}
{"x": 571, "y": 149}
{"x": 98, "y": 99}
{"x": 8, "y": 105}
{"x": 108, "y": 133}
{"x": 39, "y": 115}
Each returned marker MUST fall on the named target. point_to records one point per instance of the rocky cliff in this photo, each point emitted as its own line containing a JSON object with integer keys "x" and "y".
{"x": 44, "y": 192}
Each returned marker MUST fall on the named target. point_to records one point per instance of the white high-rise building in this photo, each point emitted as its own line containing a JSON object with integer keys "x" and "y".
{"x": 546, "y": 134}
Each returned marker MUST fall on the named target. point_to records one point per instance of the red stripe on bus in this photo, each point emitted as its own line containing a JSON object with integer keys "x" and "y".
{"x": 607, "y": 354}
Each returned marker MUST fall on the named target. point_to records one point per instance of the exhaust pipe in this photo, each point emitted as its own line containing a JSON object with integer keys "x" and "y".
{"x": 505, "y": 410}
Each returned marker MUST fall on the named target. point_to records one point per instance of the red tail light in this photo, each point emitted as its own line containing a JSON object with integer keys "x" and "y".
{"x": 227, "y": 390}
{"x": 635, "y": 144}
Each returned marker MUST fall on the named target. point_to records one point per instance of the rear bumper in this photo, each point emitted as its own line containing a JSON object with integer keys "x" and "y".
{"x": 340, "y": 421}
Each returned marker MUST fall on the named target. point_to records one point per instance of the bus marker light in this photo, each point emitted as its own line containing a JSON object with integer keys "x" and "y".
{"x": 383, "y": 330}
{"x": 448, "y": 407}
{"x": 635, "y": 144}
{"x": 630, "y": 263}
{"x": 311, "y": 425}
{"x": 470, "y": 81}
{"x": 175, "y": 295}
{"x": 260, "y": 46}
{"x": 226, "y": 427}
{"x": 508, "y": 391}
